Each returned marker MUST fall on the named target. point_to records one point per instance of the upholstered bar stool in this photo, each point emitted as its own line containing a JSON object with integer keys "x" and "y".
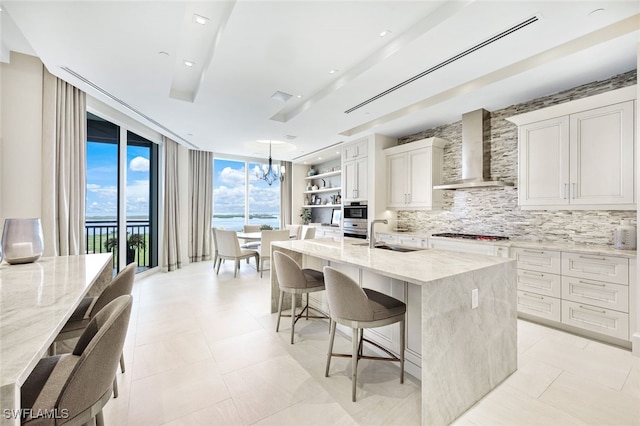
{"x": 294, "y": 280}
{"x": 361, "y": 308}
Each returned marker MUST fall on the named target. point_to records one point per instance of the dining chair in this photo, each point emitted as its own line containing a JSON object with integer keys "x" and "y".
{"x": 121, "y": 285}
{"x": 251, "y": 228}
{"x": 294, "y": 280}
{"x": 308, "y": 232}
{"x": 294, "y": 231}
{"x": 265, "y": 245}
{"x": 229, "y": 248}
{"x": 215, "y": 245}
{"x": 360, "y": 308}
{"x": 74, "y": 388}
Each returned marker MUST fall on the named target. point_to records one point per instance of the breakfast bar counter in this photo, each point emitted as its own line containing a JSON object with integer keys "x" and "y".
{"x": 467, "y": 346}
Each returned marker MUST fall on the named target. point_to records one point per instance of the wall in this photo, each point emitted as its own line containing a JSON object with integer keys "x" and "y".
{"x": 21, "y": 137}
{"x": 495, "y": 211}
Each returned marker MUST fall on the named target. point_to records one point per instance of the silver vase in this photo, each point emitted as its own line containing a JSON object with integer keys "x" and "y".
{"x": 22, "y": 240}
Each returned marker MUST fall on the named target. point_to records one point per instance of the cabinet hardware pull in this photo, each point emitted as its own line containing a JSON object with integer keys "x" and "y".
{"x": 532, "y": 273}
{"x": 573, "y": 190}
{"x": 564, "y": 191}
{"x": 588, "y": 308}
{"x": 598, "y": 284}
{"x": 534, "y": 251}
{"x": 535, "y": 296}
{"x": 592, "y": 258}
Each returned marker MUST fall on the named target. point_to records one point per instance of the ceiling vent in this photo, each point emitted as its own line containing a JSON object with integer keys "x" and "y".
{"x": 281, "y": 96}
{"x": 447, "y": 62}
{"x": 127, "y": 106}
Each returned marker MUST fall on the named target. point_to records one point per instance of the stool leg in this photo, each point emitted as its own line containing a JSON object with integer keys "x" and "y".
{"x": 122, "y": 362}
{"x": 402, "y": 344}
{"x": 307, "y": 306}
{"x": 293, "y": 315}
{"x": 279, "y": 310}
{"x": 354, "y": 363}
{"x": 115, "y": 387}
{"x": 333, "y": 334}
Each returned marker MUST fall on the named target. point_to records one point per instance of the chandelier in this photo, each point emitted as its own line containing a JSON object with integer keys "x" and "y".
{"x": 271, "y": 173}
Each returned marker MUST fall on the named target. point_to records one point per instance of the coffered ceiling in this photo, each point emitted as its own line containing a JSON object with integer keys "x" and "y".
{"x": 437, "y": 60}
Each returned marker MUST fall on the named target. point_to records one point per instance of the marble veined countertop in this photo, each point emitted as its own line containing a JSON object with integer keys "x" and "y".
{"x": 593, "y": 249}
{"x": 36, "y": 299}
{"x": 419, "y": 267}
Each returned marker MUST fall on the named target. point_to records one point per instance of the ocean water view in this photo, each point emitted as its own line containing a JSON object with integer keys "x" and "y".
{"x": 235, "y": 223}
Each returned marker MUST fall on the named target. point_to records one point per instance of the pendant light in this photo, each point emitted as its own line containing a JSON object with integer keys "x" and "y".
{"x": 269, "y": 173}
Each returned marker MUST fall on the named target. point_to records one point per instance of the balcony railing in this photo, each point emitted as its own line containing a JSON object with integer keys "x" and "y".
{"x": 100, "y": 233}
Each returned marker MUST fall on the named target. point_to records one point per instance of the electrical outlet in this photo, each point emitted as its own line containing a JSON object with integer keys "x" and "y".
{"x": 474, "y": 298}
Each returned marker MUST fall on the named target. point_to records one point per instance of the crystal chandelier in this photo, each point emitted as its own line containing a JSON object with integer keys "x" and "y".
{"x": 271, "y": 173}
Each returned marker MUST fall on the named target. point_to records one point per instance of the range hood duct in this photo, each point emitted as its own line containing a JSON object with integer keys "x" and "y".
{"x": 475, "y": 170}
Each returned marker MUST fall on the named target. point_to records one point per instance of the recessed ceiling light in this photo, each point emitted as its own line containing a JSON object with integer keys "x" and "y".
{"x": 319, "y": 158}
{"x": 595, "y": 12}
{"x": 298, "y": 96}
{"x": 189, "y": 63}
{"x": 163, "y": 53}
{"x": 198, "y": 19}
{"x": 385, "y": 33}
{"x": 333, "y": 71}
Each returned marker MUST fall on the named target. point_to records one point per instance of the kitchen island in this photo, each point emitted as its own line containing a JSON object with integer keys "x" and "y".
{"x": 464, "y": 351}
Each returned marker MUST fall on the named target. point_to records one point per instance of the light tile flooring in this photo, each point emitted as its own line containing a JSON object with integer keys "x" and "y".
{"x": 202, "y": 350}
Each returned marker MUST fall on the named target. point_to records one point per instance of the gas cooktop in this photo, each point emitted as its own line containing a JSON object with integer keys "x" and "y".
{"x": 471, "y": 236}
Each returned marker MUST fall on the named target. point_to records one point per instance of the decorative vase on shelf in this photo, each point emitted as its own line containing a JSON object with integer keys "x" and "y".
{"x": 311, "y": 172}
{"x": 22, "y": 240}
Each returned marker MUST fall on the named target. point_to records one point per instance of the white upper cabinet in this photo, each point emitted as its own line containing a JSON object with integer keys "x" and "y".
{"x": 355, "y": 179}
{"x": 582, "y": 160}
{"x": 412, "y": 170}
{"x": 354, "y": 150}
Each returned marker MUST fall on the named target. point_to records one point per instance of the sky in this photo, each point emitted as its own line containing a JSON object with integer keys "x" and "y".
{"x": 229, "y": 187}
{"x": 102, "y": 180}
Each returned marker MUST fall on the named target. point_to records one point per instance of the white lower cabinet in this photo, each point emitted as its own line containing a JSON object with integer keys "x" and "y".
{"x": 604, "y": 321}
{"x": 581, "y": 290}
{"x": 540, "y": 306}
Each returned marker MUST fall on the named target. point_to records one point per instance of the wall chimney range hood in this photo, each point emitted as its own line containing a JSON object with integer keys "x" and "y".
{"x": 474, "y": 167}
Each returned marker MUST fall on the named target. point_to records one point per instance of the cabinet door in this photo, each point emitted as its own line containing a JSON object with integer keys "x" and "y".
{"x": 543, "y": 151}
{"x": 397, "y": 180}
{"x": 361, "y": 178}
{"x": 602, "y": 155}
{"x": 354, "y": 150}
{"x": 349, "y": 183}
{"x": 419, "y": 178}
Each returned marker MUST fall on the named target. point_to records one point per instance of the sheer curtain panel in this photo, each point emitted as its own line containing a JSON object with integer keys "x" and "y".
{"x": 64, "y": 141}
{"x": 171, "y": 250}
{"x": 201, "y": 205}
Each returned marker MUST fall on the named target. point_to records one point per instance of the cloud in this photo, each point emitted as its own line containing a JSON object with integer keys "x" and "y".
{"x": 139, "y": 164}
{"x": 231, "y": 177}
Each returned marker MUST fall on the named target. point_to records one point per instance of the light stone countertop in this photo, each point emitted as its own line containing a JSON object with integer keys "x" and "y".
{"x": 36, "y": 299}
{"x": 419, "y": 267}
{"x": 593, "y": 249}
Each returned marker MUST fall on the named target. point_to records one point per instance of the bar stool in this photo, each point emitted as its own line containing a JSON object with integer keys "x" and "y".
{"x": 294, "y": 280}
{"x": 361, "y": 308}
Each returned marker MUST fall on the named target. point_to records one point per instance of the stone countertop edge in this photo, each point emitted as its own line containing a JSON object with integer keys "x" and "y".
{"x": 593, "y": 249}
{"x": 418, "y": 267}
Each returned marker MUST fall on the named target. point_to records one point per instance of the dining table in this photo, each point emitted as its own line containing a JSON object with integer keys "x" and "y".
{"x": 36, "y": 300}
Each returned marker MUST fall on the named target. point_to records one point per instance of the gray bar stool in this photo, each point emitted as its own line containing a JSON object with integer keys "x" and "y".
{"x": 294, "y": 280}
{"x": 361, "y": 308}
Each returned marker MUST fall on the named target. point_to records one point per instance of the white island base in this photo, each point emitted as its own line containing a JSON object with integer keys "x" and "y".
{"x": 461, "y": 352}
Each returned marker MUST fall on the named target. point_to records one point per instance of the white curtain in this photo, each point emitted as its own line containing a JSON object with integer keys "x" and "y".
{"x": 171, "y": 250}
{"x": 201, "y": 205}
{"x": 64, "y": 141}
{"x": 285, "y": 196}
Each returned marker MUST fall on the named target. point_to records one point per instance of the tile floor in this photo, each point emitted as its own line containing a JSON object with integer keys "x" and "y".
{"x": 202, "y": 350}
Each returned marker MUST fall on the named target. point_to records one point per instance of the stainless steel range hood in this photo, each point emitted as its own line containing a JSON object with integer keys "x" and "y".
{"x": 474, "y": 167}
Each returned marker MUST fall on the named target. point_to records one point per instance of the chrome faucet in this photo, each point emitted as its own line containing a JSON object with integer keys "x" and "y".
{"x": 372, "y": 238}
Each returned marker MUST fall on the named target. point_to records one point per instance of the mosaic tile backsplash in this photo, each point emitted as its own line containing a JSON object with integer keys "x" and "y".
{"x": 495, "y": 211}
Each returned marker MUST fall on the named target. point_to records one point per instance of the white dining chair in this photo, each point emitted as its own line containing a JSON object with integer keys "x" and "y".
{"x": 229, "y": 248}
{"x": 265, "y": 245}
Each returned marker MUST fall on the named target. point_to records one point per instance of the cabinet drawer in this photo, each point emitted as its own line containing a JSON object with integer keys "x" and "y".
{"x": 539, "y": 283}
{"x": 600, "y": 268}
{"x": 605, "y": 321}
{"x": 387, "y": 238}
{"x": 538, "y": 260}
{"x": 540, "y": 306}
{"x": 413, "y": 242}
{"x": 604, "y": 295}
